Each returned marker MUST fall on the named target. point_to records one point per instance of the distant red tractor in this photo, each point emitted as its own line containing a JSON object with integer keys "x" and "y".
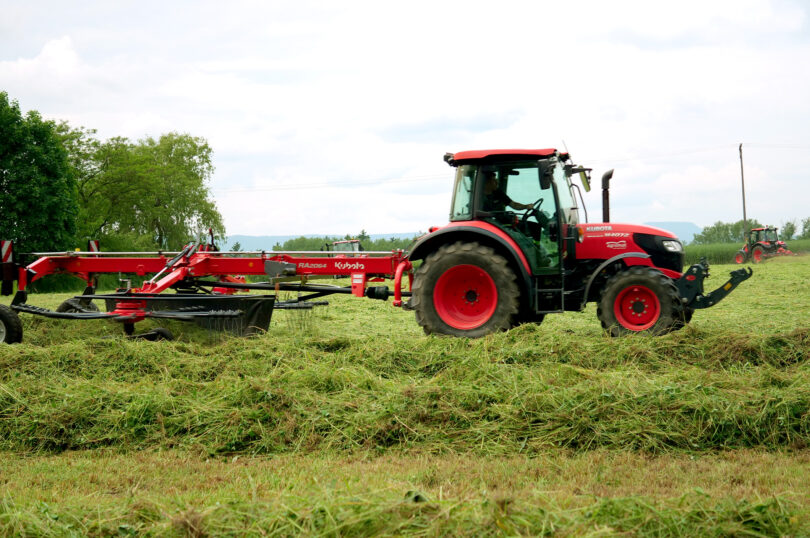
{"x": 762, "y": 243}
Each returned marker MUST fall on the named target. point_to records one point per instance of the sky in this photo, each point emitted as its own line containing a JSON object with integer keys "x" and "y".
{"x": 331, "y": 117}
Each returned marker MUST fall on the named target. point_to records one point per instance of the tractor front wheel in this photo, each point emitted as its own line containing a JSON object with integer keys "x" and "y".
{"x": 739, "y": 257}
{"x": 464, "y": 289}
{"x": 10, "y": 326}
{"x": 640, "y": 299}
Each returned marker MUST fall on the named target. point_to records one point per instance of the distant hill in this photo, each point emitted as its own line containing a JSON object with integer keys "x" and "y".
{"x": 267, "y": 242}
{"x": 686, "y": 231}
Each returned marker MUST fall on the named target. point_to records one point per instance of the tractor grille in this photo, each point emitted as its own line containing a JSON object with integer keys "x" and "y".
{"x": 661, "y": 257}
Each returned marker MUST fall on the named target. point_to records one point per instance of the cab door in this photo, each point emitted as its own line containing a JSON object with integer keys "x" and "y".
{"x": 534, "y": 227}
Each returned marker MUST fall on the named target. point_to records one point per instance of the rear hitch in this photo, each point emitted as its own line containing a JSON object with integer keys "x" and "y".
{"x": 690, "y": 285}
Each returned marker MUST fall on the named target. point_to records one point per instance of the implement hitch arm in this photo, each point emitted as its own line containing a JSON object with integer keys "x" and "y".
{"x": 690, "y": 285}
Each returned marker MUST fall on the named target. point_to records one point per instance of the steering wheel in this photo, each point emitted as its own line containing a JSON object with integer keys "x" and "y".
{"x": 534, "y": 210}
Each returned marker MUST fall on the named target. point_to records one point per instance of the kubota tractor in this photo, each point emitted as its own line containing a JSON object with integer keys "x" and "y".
{"x": 762, "y": 243}
{"x": 516, "y": 250}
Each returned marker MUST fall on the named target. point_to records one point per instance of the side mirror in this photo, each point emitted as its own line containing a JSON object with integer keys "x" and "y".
{"x": 545, "y": 179}
{"x": 586, "y": 181}
{"x": 584, "y": 175}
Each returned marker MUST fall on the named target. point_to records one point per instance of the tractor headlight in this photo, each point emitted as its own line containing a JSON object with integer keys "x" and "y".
{"x": 672, "y": 245}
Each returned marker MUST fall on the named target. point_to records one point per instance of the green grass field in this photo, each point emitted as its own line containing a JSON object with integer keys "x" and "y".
{"x": 349, "y": 421}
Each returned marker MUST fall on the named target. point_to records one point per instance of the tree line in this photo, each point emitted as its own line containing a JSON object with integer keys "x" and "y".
{"x": 735, "y": 232}
{"x": 325, "y": 243}
{"x": 61, "y": 185}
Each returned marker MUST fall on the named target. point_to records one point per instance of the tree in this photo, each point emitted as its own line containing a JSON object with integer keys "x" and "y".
{"x": 37, "y": 187}
{"x": 788, "y": 230}
{"x": 725, "y": 232}
{"x": 152, "y": 193}
{"x": 805, "y": 229}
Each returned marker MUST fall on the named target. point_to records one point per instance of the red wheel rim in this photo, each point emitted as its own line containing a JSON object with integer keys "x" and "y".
{"x": 637, "y": 308}
{"x": 465, "y": 297}
{"x": 739, "y": 258}
{"x": 757, "y": 255}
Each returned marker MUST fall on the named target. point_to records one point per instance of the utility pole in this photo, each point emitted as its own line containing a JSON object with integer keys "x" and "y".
{"x": 742, "y": 180}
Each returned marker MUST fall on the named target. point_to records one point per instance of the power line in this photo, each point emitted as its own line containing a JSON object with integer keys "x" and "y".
{"x": 336, "y": 183}
{"x": 691, "y": 151}
{"x": 661, "y": 155}
{"x": 391, "y": 181}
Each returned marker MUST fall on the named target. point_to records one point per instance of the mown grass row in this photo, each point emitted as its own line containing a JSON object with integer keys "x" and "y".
{"x": 524, "y": 391}
{"x": 359, "y": 375}
{"x": 691, "y": 515}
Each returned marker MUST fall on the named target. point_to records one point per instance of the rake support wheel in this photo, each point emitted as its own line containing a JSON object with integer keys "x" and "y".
{"x": 641, "y": 299}
{"x": 465, "y": 289}
{"x": 75, "y": 305}
{"x": 10, "y": 326}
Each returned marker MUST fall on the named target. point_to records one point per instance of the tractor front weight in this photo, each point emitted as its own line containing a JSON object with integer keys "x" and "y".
{"x": 690, "y": 285}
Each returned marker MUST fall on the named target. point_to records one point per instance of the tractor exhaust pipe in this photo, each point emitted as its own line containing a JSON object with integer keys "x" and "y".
{"x": 606, "y": 195}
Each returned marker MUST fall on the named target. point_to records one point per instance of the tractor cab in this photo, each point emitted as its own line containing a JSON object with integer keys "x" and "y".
{"x": 527, "y": 196}
{"x": 764, "y": 234}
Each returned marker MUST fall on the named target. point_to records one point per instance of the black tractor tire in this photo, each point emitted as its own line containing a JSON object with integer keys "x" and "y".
{"x": 10, "y": 326}
{"x": 465, "y": 289}
{"x": 758, "y": 254}
{"x": 75, "y": 305}
{"x": 740, "y": 257}
{"x": 640, "y": 299}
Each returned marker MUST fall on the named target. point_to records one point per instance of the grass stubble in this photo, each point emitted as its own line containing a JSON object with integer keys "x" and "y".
{"x": 348, "y": 421}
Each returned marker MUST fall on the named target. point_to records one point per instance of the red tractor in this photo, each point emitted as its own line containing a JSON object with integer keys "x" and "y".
{"x": 516, "y": 250}
{"x": 761, "y": 243}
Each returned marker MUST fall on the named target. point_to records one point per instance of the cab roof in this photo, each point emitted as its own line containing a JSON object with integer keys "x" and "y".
{"x": 498, "y": 154}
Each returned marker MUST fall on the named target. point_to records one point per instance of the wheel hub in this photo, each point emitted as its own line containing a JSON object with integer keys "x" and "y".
{"x": 465, "y": 297}
{"x": 637, "y": 308}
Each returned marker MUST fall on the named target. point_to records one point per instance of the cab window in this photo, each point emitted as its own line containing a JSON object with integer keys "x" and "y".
{"x": 461, "y": 207}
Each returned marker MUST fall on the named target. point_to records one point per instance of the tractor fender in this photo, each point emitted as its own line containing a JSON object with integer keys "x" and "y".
{"x": 607, "y": 263}
{"x": 484, "y": 234}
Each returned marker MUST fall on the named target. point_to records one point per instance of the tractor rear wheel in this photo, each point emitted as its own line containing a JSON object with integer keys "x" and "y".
{"x": 10, "y": 326}
{"x": 758, "y": 254}
{"x": 739, "y": 257}
{"x": 464, "y": 289}
{"x": 640, "y": 299}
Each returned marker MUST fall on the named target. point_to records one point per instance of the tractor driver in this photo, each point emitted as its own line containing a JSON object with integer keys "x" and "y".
{"x": 494, "y": 198}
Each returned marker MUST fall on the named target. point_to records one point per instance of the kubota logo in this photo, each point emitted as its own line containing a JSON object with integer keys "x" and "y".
{"x": 598, "y": 228}
{"x": 346, "y": 265}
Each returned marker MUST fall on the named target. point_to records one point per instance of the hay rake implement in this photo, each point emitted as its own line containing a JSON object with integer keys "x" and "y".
{"x": 209, "y": 287}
